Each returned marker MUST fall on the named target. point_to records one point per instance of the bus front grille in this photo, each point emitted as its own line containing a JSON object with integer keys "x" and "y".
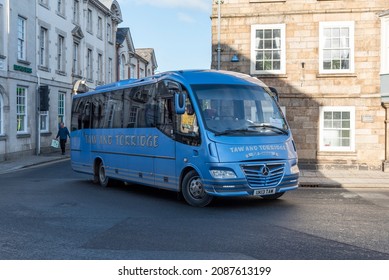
{"x": 264, "y": 175}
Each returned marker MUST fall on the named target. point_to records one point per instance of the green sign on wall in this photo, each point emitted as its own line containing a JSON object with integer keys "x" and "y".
{"x": 22, "y": 69}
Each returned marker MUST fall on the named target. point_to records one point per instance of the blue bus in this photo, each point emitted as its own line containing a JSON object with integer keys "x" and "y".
{"x": 203, "y": 133}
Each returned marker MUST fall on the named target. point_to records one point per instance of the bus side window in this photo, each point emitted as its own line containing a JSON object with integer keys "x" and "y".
{"x": 164, "y": 106}
{"x": 85, "y": 117}
{"x": 187, "y": 130}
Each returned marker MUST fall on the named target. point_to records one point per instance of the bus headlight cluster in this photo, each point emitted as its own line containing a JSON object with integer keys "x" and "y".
{"x": 222, "y": 174}
{"x": 294, "y": 169}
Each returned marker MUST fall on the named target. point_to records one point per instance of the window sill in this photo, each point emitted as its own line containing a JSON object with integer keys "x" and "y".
{"x": 343, "y": 154}
{"x": 271, "y": 76}
{"x": 44, "y": 68}
{"x": 266, "y": 1}
{"x": 3, "y": 137}
{"x": 23, "y": 135}
{"x": 61, "y": 73}
{"x": 76, "y": 76}
{"x": 335, "y": 75}
{"x": 25, "y": 62}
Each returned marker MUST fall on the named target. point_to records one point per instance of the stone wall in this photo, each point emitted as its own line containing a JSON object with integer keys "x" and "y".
{"x": 303, "y": 89}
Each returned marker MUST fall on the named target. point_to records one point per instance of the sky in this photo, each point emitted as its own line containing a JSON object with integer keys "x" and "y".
{"x": 178, "y": 30}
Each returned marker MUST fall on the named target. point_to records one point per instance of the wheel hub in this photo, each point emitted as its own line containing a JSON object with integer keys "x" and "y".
{"x": 196, "y": 188}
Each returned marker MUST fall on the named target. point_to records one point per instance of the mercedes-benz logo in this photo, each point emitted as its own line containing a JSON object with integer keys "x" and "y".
{"x": 265, "y": 171}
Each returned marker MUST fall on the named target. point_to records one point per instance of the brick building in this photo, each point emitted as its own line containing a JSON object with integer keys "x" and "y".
{"x": 326, "y": 58}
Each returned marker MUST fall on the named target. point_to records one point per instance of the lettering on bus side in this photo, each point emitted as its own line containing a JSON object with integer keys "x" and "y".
{"x": 253, "y": 148}
{"x": 150, "y": 141}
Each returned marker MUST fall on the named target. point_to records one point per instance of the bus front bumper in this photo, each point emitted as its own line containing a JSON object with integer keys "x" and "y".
{"x": 242, "y": 188}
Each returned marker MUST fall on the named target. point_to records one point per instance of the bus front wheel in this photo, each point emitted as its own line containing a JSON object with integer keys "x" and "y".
{"x": 193, "y": 190}
{"x": 103, "y": 179}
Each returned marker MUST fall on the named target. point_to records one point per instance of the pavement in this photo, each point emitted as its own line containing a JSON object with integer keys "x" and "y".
{"x": 308, "y": 178}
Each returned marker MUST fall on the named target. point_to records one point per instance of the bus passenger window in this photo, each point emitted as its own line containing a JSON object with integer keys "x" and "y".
{"x": 188, "y": 129}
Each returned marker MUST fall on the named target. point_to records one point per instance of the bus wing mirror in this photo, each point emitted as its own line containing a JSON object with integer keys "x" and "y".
{"x": 179, "y": 102}
{"x": 275, "y": 93}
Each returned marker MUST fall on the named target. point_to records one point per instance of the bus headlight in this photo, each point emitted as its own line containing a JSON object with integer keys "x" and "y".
{"x": 294, "y": 169}
{"x": 222, "y": 174}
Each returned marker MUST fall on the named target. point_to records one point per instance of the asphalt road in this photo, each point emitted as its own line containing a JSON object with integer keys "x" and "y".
{"x": 50, "y": 212}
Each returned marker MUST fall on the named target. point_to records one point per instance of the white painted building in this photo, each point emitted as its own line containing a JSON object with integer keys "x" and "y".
{"x": 53, "y": 43}
{"x": 133, "y": 63}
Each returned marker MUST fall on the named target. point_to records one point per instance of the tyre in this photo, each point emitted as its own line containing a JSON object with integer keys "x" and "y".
{"x": 193, "y": 190}
{"x": 104, "y": 181}
{"x": 273, "y": 196}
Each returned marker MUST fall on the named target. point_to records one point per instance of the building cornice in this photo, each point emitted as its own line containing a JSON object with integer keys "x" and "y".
{"x": 301, "y": 12}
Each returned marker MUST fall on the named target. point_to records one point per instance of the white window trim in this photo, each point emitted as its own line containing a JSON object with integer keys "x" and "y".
{"x": 76, "y": 11}
{"x": 350, "y": 109}
{"x": 25, "y": 110}
{"x": 385, "y": 45}
{"x": 89, "y": 64}
{"x": 100, "y": 71}
{"x": 76, "y": 59}
{"x": 61, "y": 7}
{"x": 329, "y": 24}
{"x": 43, "y": 46}
{"x": 89, "y": 21}
{"x": 61, "y": 53}
{"x": 254, "y": 28}
{"x": 44, "y": 113}
{"x": 64, "y": 105}
{"x": 21, "y": 54}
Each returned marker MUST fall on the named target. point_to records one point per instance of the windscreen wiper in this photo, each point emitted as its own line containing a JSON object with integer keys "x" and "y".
{"x": 233, "y": 131}
{"x": 269, "y": 126}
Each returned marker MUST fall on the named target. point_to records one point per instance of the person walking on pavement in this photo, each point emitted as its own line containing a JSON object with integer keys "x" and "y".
{"x": 63, "y": 134}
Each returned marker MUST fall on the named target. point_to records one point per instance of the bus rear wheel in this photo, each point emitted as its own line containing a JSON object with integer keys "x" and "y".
{"x": 193, "y": 190}
{"x": 103, "y": 179}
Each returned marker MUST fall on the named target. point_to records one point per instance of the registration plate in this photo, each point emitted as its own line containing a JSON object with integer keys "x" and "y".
{"x": 265, "y": 191}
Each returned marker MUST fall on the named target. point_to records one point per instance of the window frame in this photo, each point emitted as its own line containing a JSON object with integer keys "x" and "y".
{"x": 21, "y": 113}
{"x": 109, "y": 32}
{"x": 282, "y": 49}
{"x": 325, "y": 148}
{"x": 100, "y": 71}
{"x": 44, "y": 118}
{"x": 99, "y": 27}
{"x": 43, "y": 47}
{"x": 76, "y": 11}
{"x": 89, "y": 64}
{"x": 61, "y": 106}
{"x": 337, "y": 24}
{"x": 61, "y": 7}
{"x": 385, "y": 45}
{"x": 122, "y": 66}
{"x": 61, "y": 53}
{"x": 76, "y": 59}
{"x": 110, "y": 70}
{"x": 21, "y": 37}
{"x": 89, "y": 21}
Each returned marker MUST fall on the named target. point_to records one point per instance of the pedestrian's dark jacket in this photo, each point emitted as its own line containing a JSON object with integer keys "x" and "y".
{"x": 63, "y": 133}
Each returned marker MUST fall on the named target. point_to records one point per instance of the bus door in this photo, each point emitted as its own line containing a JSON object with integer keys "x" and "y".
{"x": 82, "y": 139}
{"x": 164, "y": 161}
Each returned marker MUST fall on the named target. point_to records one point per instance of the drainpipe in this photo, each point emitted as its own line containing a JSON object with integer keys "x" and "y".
{"x": 385, "y": 166}
{"x": 218, "y": 34}
{"x": 37, "y": 95}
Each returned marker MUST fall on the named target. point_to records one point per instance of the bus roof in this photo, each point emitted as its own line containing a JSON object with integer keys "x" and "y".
{"x": 191, "y": 77}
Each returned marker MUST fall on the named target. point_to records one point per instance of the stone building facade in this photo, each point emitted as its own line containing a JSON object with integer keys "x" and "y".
{"x": 324, "y": 58}
{"x": 52, "y": 44}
